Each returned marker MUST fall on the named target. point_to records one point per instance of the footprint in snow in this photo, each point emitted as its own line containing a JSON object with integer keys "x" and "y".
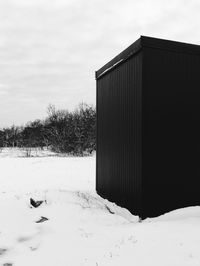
{"x": 24, "y": 238}
{"x": 34, "y": 248}
{"x": 3, "y": 251}
{"x": 32, "y": 242}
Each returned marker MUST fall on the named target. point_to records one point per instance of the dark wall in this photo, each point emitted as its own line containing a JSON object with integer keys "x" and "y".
{"x": 171, "y": 144}
{"x": 119, "y": 98}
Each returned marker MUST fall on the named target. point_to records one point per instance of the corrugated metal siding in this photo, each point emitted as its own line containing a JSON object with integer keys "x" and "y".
{"x": 171, "y": 144}
{"x": 119, "y": 134}
{"x": 148, "y": 133}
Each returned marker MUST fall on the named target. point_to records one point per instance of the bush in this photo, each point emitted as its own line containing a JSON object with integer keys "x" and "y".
{"x": 62, "y": 131}
{"x": 72, "y": 132}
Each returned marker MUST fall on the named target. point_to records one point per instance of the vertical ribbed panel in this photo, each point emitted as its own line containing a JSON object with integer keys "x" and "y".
{"x": 171, "y": 143}
{"x": 119, "y": 133}
{"x": 148, "y": 127}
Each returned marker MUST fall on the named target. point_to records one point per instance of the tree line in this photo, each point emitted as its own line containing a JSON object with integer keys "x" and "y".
{"x": 61, "y": 131}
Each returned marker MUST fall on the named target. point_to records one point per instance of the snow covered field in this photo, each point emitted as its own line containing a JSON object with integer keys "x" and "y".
{"x": 82, "y": 228}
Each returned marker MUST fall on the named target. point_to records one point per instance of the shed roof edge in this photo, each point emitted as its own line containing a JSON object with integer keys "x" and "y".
{"x": 175, "y": 46}
{"x": 150, "y": 42}
{"x": 120, "y": 58}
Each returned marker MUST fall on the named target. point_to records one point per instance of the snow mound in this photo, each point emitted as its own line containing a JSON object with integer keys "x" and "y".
{"x": 179, "y": 214}
{"x": 94, "y": 201}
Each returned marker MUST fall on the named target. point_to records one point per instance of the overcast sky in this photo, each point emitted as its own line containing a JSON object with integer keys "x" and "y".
{"x": 50, "y": 49}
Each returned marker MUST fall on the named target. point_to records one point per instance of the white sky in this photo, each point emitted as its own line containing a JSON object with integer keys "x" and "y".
{"x": 49, "y": 50}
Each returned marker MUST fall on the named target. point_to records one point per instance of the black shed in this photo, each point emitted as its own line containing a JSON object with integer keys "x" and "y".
{"x": 148, "y": 127}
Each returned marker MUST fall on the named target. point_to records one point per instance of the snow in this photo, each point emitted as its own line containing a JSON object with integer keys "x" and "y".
{"x": 82, "y": 228}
